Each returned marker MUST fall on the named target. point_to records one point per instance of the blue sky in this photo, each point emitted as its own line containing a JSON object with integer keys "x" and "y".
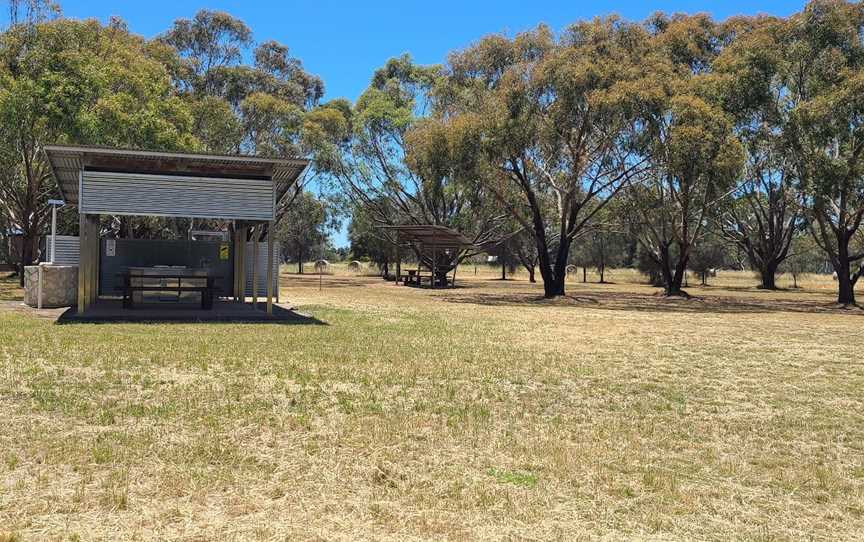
{"x": 344, "y": 42}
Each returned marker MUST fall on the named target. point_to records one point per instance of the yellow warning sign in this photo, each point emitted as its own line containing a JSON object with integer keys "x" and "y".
{"x": 223, "y": 251}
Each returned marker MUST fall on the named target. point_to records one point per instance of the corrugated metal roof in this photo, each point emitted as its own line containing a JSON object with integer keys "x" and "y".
{"x": 431, "y": 235}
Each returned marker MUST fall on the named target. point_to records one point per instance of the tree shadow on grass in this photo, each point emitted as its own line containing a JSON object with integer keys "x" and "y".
{"x": 631, "y": 301}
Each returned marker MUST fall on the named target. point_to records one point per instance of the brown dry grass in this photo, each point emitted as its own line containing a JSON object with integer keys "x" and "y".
{"x": 481, "y": 412}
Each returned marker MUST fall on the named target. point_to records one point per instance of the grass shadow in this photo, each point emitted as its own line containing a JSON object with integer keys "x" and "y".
{"x": 630, "y": 301}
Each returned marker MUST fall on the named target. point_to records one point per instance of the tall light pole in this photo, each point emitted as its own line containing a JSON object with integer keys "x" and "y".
{"x": 54, "y": 203}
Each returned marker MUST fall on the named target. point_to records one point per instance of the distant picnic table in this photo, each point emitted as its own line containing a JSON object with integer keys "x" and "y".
{"x": 416, "y": 277}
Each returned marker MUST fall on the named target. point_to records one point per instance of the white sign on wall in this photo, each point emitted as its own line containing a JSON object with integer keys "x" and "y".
{"x": 110, "y": 247}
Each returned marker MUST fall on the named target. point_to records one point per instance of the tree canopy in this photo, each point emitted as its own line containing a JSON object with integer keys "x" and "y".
{"x": 664, "y": 143}
{"x": 79, "y": 82}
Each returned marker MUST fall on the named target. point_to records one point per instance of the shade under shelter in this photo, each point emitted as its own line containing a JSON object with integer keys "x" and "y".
{"x": 243, "y": 190}
{"x": 438, "y": 250}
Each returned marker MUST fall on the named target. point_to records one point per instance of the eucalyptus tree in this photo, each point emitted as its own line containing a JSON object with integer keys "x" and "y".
{"x": 80, "y": 82}
{"x": 525, "y": 249}
{"x": 305, "y": 227}
{"x": 805, "y": 256}
{"x": 763, "y": 216}
{"x": 30, "y": 12}
{"x": 604, "y": 249}
{"x": 695, "y": 158}
{"x": 367, "y": 240}
{"x": 709, "y": 255}
{"x": 250, "y": 108}
{"x": 213, "y": 47}
{"x": 764, "y": 213}
{"x": 386, "y": 156}
{"x": 515, "y": 248}
{"x": 548, "y": 126}
{"x": 823, "y": 70}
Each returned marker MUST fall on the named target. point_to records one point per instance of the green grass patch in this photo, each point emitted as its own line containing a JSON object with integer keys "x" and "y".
{"x": 514, "y": 477}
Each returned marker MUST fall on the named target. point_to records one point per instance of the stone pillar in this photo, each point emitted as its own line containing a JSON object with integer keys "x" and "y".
{"x": 59, "y": 285}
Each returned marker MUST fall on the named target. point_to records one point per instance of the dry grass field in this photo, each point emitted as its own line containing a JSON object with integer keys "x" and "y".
{"x": 477, "y": 413}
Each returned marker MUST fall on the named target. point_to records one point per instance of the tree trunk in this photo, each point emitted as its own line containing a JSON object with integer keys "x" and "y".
{"x": 602, "y": 274}
{"x": 584, "y": 274}
{"x": 845, "y": 281}
{"x": 768, "y": 277}
{"x": 845, "y": 288}
{"x": 28, "y": 254}
{"x": 668, "y": 281}
{"x": 673, "y": 278}
{"x": 665, "y": 269}
{"x": 531, "y": 278}
{"x": 300, "y": 262}
{"x": 553, "y": 279}
{"x": 555, "y": 286}
{"x": 674, "y": 288}
{"x": 503, "y": 271}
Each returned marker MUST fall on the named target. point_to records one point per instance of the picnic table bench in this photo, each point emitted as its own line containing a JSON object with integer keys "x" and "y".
{"x": 417, "y": 276}
{"x": 207, "y": 290}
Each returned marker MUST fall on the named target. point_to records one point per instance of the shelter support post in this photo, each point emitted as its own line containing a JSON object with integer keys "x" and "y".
{"x": 88, "y": 261}
{"x": 255, "y": 236}
{"x": 244, "y": 235}
{"x": 434, "y": 266}
{"x": 82, "y": 263}
{"x": 398, "y": 260}
{"x": 455, "y": 267}
{"x": 94, "y": 255}
{"x": 241, "y": 247}
{"x": 235, "y": 258}
{"x": 240, "y": 261}
{"x": 270, "y": 268}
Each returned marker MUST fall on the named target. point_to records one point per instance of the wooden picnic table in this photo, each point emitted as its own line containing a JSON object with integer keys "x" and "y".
{"x": 207, "y": 290}
{"x": 416, "y": 277}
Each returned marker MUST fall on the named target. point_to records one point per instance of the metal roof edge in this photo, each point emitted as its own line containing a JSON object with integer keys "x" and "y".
{"x": 243, "y": 158}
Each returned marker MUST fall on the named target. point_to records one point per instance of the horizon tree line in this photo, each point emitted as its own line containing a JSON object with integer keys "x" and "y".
{"x": 746, "y": 131}
{"x": 664, "y": 138}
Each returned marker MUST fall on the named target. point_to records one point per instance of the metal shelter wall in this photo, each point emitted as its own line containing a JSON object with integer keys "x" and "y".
{"x": 68, "y": 249}
{"x": 152, "y": 252}
{"x": 262, "y": 268}
{"x": 181, "y": 253}
{"x": 161, "y": 252}
{"x": 176, "y": 195}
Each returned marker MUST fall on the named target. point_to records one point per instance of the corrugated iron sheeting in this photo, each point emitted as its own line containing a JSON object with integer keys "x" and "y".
{"x": 169, "y": 195}
{"x": 262, "y": 269}
{"x": 68, "y": 160}
{"x": 67, "y": 249}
